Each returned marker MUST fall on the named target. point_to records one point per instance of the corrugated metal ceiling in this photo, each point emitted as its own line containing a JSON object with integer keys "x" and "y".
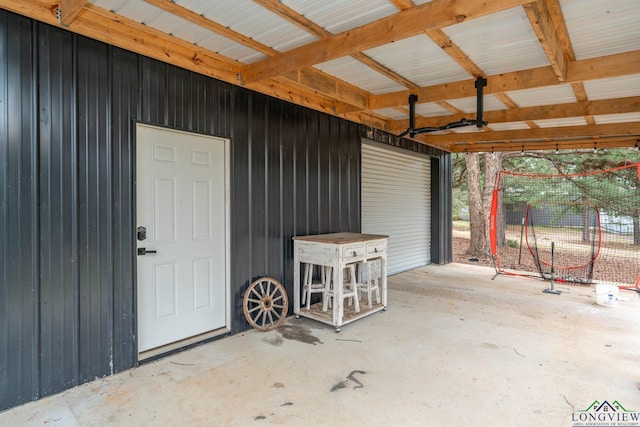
{"x": 511, "y": 45}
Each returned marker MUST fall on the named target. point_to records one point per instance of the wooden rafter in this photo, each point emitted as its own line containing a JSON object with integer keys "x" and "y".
{"x": 547, "y": 144}
{"x": 311, "y": 78}
{"x": 615, "y": 65}
{"x": 315, "y": 89}
{"x": 558, "y": 111}
{"x": 542, "y": 25}
{"x": 69, "y": 9}
{"x": 406, "y": 23}
{"x": 557, "y": 18}
{"x": 446, "y": 44}
{"x": 313, "y": 28}
{"x": 614, "y": 129}
{"x": 202, "y": 21}
{"x": 506, "y": 100}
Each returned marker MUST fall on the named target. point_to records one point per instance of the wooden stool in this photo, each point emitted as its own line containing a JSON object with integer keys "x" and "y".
{"x": 371, "y": 283}
{"x": 349, "y": 289}
{"x": 310, "y": 287}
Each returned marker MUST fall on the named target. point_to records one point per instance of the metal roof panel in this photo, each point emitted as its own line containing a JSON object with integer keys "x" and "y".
{"x": 561, "y": 94}
{"x": 598, "y": 28}
{"x": 568, "y": 121}
{"x": 499, "y": 43}
{"x": 509, "y": 126}
{"x": 251, "y": 19}
{"x": 618, "y": 118}
{"x": 358, "y": 74}
{"x": 469, "y": 105}
{"x": 337, "y": 16}
{"x": 419, "y": 60}
{"x": 613, "y": 88}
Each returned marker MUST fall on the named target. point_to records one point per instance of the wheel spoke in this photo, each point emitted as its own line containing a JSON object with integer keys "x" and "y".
{"x": 264, "y": 318}
{"x": 262, "y": 292}
{"x": 268, "y": 290}
{"x": 255, "y": 319}
{"x": 257, "y": 307}
{"x": 275, "y": 291}
{"x": 265, "y": 304}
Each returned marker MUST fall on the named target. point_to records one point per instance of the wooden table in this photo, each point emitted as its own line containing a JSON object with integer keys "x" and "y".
{"x": 337, "y": 250}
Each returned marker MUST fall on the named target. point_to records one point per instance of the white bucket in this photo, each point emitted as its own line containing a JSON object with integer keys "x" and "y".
{"x": 607, "y": 295}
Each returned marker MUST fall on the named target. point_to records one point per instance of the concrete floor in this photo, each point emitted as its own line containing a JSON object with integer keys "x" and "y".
{"x": 455, "y": 348}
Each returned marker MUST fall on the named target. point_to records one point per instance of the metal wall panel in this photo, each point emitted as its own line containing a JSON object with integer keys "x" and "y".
{"x": 19, "y": 317}
{"x": 441, "y": 202}
{"x": 59, "y": 311}
{"x": 68, "y": 106}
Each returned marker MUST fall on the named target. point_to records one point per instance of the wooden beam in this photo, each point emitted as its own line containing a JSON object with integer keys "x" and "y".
{"x": 580, "y": 143}
{"x": 310, "y": 79}
{"x": 210, "y": 25}
{"x": 314, "y": 80}
{"x": 558, "y": 111}
{"x": 403, "y": 4}
{"x": 384, "y": 70}
{"x": 406, "y": 23}
{"x": 313, "y": 28}
{"x": 446, "y": 44}
{"x": 116, "y": 30}
{"x": 615, "y": 129}
{"x": 616, "y": 65}
{"x": 294, "y": 17}
{"x": 506, "y": 100}
{"x": 540, "y": 20}
{"x": 68, "y": 10}
{"x": 560, "y": 26}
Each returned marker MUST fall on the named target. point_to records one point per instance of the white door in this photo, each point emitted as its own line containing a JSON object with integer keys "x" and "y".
{"x": 181, "y": 193}
{"x": 396, "y": 201}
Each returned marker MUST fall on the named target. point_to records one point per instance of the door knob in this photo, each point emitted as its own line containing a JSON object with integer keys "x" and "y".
{"x": 144, "y": 251}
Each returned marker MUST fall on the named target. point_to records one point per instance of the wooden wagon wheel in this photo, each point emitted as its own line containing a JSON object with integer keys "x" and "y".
{"x": 265, "y": 304}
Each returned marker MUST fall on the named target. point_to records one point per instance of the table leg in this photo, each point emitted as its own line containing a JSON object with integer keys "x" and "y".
{"x": 338, "y": 301}
{"x": 296, "y": 284}
{"x": 383, "y": 276}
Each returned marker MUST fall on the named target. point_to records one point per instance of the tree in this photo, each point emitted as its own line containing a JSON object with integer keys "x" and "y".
{"x": 479, "y": 198}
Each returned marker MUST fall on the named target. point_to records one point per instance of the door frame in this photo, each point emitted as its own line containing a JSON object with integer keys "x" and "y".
{"x": 227, "y": 246}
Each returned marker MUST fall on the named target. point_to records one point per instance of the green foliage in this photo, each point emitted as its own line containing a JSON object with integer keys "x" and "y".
{"x": 617, "y": 193}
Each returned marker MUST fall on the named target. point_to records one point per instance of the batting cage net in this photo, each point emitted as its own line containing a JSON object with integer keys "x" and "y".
{"x": 580, "y": 228}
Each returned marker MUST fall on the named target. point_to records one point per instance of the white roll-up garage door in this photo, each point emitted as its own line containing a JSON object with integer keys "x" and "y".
{"x": 396, "y": 200}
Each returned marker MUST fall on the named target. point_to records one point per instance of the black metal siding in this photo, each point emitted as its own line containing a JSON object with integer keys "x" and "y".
{"x": 441, "y": 219}
{"x": 68, "y": 109}
{"x": 19, "y": 316}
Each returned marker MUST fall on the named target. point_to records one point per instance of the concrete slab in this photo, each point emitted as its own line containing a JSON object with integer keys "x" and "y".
{"x": 455, "y": 348}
